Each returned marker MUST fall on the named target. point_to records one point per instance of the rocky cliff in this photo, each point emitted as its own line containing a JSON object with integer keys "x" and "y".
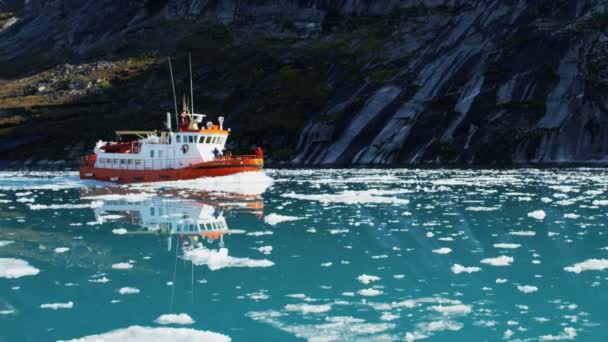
{"x": 318, "y": 82}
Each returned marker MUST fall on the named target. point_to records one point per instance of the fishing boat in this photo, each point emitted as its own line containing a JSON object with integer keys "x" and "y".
{"x": 194, "y": 150}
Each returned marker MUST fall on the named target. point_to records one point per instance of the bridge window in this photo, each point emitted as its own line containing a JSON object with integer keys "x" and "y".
{"x": 160, "y": 154}
{"x": 201, "y": 140}
{"x": 208, "y": 140}
{"x": 151, "y": 153}
{"x": 115, "y": 161}
{"x": 191, "y": 139}
{"x": 178, "y": 138}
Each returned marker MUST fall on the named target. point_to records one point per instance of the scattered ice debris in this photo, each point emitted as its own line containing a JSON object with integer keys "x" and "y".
{"x": 399, "y": 276}
{"x": 443, "y": 250}
{"x": 122, "y": 266}
{"x": 523, "y": 233}
{"x": 5, "y": 243}
{"x": 308, "y": 308}
{"x": 600, "y": 202}
{"x": 501, "y": 281}
{"x": 537, "y": 214}
{"x": 128, "y": 290}
{"x": 99, "y": 280}
{"x": 218, "y": 259}
{"x": 387, "y": 316}
{"x": 16, "y": 268}
{"x": 457, "y": 269}
{"x": 456, "y": 309}
{"x": 430, "y": 234}
{"x": 482, "y": 208}
{"x": 527, "y": 288}
{"x": 366, "y": 279}
{"x": 60, "y": 250}
{"x": 181, "y": 318}
{"x": 502, "y": 260}
{"x": 338, "y": 231}
{"x": 507, "y": 334}
{"x": 56, "y": 306}
{"x": 371, "y": 292}
{"x": 265, "y": 249}
{"x": 274, "y": 219}
{"x": 588, "y": 265}
{"x": 148, "y": 334}
{"x": 571, "y": 216}
{"x": 119, "y": 231}
{"x": 507, "y": 245}
{"x": 352, "y": 197}
{"x": 327, "y": 264}
{"x": 93, "y": 204}
{"x": 260, "y": 233}
{"x": 568, "y": 334}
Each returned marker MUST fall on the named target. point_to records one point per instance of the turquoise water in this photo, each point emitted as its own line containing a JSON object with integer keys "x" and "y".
{"x": 322, "y": 255}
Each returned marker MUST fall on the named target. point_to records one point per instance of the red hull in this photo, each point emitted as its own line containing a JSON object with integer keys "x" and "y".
{"x": 222, "y": 167}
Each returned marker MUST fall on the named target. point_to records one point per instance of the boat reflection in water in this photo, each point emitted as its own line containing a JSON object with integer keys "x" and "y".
{"x": 195, "y": 229}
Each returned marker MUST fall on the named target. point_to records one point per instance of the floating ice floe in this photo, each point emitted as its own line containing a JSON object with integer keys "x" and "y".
{"x": 260, "y": 233}
{"x": 119, "y": 231}
{"x": 265, "y": 249}
{"x": 131, "y": 197}
{"x": 218, "y": 259}
{"x": 527, "y": 288}
{"x": 523, "y": 233}
{"x": 5, "y": 243}
{"x": 122, "y": 266}
{"x": 600, "y": 202}
{"x": 443, "y": 250}
{"x": 60, "y": 250}
{"x": 537, "y": 214}
{"x": 366, "y": 279}
{"x": 308, "y": 308}
{"x": 148, "y": 334}
{"x": 501, "y": 281}
{"x": 482, "y": 208}
{"x": 371, "y": 292}
{"x": 274, "y": 219}
{"x": 568, "y": 334}
{"x": 457, "y": 309}
{"x": 101, "y": 280}
{"x": 338, "y": 231}
{"x": 181, "y": 318}
{"x": 502, "y": 260}
{"x": 571, "y": 216}
{"x": 457, "y": 269}
{"x": 56, "y": 306}
{"x": 16, "y": 268}
{"x": 588, "y": 265}
{"x": 507, "y": 245}
{"x": 93, "y": 204}
{"x": 128, "y": 290}
{"x": 352, "y": 197}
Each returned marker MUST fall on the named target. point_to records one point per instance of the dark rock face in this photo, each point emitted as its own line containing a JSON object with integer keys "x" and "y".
{"x": 382, "y": 82}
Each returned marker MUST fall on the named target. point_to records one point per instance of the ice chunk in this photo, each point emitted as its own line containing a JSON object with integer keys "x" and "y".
{"x": 16, "y": 268}
{"x": 56, "y": 306}
{"x": 218, "y": 259}
{"x": 507, "y": 245}
{"x": 524, "y": 233}
{"x": 502, "y": 260}
{"x": 457, "y": 309}
{"x": 588, "y": 265}
{"x": 60, "y": 250}
{"x": 265, "y": 249}
{"x": 568, "y": 334}
{"x": 273, "y": 219}
{"x": 128, "y": 290}
{"x": 457, "y": 269}
{"x": 5, "y": 242}
{"x": 366, "y": 279}
{"x": 122, "y": 266}
{"x": 148, "y": 334}
{"x": 119, "y": 231}
{"x": 443, "y": 250}
{"x": 308, "y": 308}
{"x": 369, "y": 292}
{"x": 527, "y": 288}
{"x": 181, "y": 318}
{"x": 537, "y": 214}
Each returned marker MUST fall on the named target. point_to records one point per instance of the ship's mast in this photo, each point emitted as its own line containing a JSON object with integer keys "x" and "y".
{"x": 174, "y": 96}
{"x": 191, "y": 88}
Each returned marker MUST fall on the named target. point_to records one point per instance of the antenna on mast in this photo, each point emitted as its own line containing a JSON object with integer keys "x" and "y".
{"x": 191, "y": 89}
{"x": 174, "y": 97}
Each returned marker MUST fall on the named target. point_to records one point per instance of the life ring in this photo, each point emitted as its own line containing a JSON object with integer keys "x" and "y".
{"x": 185, "y": 148}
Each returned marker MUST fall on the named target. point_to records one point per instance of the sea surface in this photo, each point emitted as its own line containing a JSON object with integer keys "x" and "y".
{"x": 319, "y": 255}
